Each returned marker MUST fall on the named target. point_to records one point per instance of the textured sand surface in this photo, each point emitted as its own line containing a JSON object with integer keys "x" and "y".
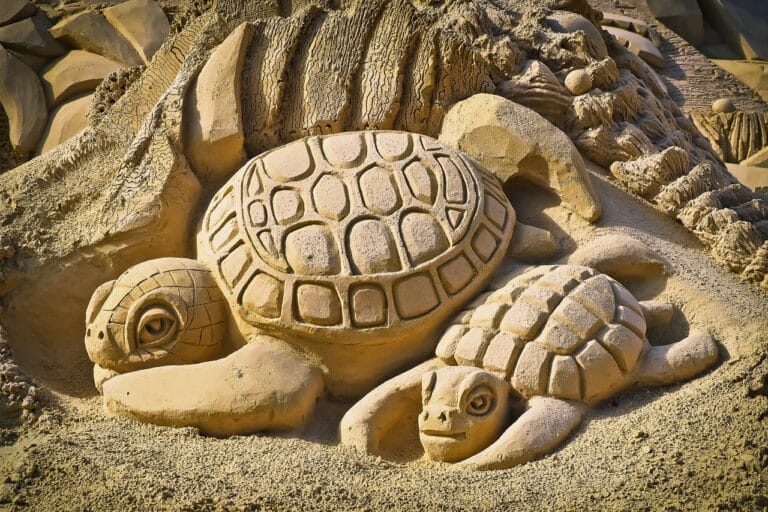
{"x": 701, "y": 445}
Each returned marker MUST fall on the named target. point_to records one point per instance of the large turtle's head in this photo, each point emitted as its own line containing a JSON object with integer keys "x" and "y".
{"x": 464, "y": 411}
{"x": 164, "y": 311}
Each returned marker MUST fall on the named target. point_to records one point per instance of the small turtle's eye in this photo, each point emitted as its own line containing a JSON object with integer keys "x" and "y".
{"x": 157, "y": 326}
{"x": 480, "y": 401}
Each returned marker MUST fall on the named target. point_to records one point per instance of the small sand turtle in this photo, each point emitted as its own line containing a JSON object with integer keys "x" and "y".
{"x": 325, "y": 264}
{"x": 556, "y": 339}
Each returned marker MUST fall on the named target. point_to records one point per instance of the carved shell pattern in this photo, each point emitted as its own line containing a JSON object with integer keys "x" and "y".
{"x": 361, "y": 230}
{"x": 564, "y": 331}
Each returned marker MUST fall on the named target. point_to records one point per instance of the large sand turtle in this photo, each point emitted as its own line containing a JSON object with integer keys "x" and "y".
{"x": 555, "y": 340}
{"x": 327, "y": 264}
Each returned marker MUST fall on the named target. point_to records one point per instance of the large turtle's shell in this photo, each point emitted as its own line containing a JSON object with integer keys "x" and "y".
{"x": 566, "y": 331}
{"x": 352, "y": 238}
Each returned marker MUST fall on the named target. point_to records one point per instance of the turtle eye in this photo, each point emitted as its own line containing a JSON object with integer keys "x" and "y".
{"x": 157, "y": 326}
{"x": 480, "y": 401}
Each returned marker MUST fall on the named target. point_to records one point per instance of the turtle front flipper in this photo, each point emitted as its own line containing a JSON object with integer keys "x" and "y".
{"x": 667, "y": 364}
{"x": 367, "y": 423}
{"x": 265, "y": 385}
{"x": 538, "y": 431}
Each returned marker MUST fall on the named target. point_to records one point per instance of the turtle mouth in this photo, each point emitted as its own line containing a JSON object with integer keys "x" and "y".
{"x": 444, "y": 434}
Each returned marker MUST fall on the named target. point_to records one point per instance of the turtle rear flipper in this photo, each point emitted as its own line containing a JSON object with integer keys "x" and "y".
{"x": 265, "y": 385}
{"x": 678, "y": 361}
{"x": 538, "y": 431}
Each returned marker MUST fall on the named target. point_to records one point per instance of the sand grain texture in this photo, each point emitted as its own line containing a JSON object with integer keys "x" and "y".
{"x": 701, "y": 445}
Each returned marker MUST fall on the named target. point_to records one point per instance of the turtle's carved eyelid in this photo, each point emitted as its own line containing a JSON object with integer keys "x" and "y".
{"x": 157, "y": 326}
{"x": 480, "y": 401}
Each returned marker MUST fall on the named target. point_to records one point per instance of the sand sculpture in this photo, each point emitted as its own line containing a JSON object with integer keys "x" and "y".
{"x": 328, "y": 262}
{"x": 555, "y": 339}
{"x": 352, "y": 249}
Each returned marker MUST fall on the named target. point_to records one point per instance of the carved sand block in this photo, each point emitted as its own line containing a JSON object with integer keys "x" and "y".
{"x": 331, "y": 261}
{"x": 556, "y": 338}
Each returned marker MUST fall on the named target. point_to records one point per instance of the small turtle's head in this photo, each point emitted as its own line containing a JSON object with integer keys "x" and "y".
{"x": 464, "y": 411}
{"x": 164, "y": 311}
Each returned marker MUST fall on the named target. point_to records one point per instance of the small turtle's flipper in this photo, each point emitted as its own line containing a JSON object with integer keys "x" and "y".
{"x": 620, "y": 256}
{"x": 511, "y": 140}
{"x": 687, "y": 358}
{"x": 265, "y": 385}
{"x": 531, "y": 244}
{"x": 538, "y": 431}
{"x": 366, "y": 424}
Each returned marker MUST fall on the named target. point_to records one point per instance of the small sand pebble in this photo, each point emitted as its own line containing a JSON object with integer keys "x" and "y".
{"x": 723, "y": 106}
{"x": 578, "y": 82}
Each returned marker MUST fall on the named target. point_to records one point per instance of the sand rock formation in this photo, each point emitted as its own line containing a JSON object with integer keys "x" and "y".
{"x": 75, "y": 73}
{"x": 743, "y": 24}
{"x": 638, "y": 45}
{"x": 15, "y": 10}
{"x": 31, "y": 36}
{"x": 91, "y": 31}
{"x": 23, "y": 101}
{"x": 64, "y": 122}
{"x": 24, "y": 33}
{"x": 682, "y": 16}
{"x": 556, "y": 337}
{"x": 142, "y": 22}
{"x": 516, "y": 141}
{"x": 213, "y": 116}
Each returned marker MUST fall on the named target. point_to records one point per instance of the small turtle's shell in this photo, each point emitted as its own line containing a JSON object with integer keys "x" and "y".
{"x": 361, "y": 233}
{"x": 565, "y": 331}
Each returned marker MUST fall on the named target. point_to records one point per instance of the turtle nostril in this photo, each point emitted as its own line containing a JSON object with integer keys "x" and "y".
{"x": 101, "y": 335}
{"x": 443, "y": 416}
{"x": 88, "y": 332}
{"x": 425, "y": 415}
